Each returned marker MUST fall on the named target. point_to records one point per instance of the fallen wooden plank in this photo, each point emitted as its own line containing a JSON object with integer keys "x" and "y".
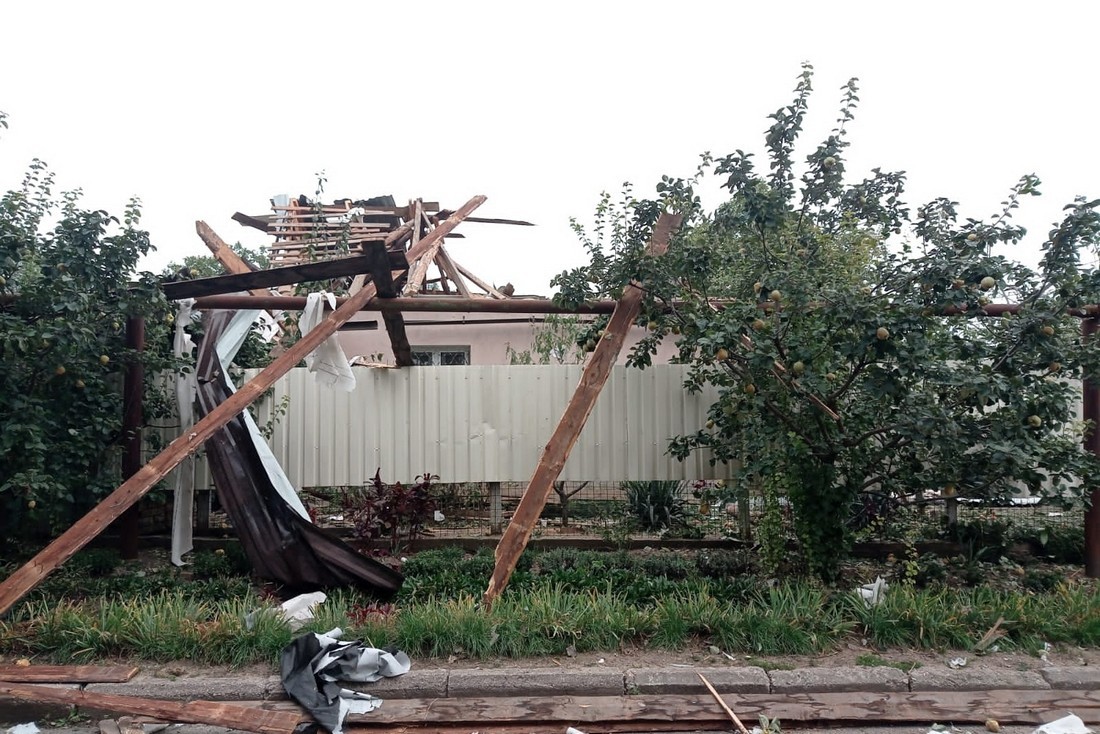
{"x": 394, "y": 321}
{"x": 556, "y": 453}
{"x": 216, "y": 713}
{"x": 88, "y": 527}
{"x": 271, "y": 278}
{"x": 697, "y": 711}
{"x": 1007, "y": 707}
{"x": 67, "y": 673}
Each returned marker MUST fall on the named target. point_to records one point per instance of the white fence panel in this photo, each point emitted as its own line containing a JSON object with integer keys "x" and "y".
{"x": 482, "y": 423}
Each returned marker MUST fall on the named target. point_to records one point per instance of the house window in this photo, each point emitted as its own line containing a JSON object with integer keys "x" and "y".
{"x": 440, "y": 356}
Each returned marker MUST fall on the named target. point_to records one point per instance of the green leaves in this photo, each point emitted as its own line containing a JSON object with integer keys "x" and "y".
{"x": 61, "y": 403}
{"x": 848, "y": 338}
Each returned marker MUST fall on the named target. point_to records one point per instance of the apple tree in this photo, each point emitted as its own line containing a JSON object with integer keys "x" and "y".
{"x": 68, "y": 283}
{"x": 850, "y": 336}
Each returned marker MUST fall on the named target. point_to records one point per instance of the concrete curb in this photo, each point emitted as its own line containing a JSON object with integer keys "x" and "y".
{"x": 595, "y": 681}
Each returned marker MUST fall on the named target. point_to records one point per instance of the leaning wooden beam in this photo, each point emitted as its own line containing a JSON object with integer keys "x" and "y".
{"x": 557, "y": 450}
{"x": 230, "y": 260}
{"x": 479, "y": 282}
{"x": 89, "y": 526}
{"x": 447, "y": 266}
{"x": 216, "y": 713}
{"x": 395, "y": 322}
{"x": 271, "y": 278}
{"x": 416, "y": 277}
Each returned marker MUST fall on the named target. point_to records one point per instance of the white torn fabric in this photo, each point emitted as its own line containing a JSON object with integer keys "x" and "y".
{"x": 1071, "y": 724}
{"x": 311, "y": 666}
{"x": 227, "y": 348}
{"x": 29, "y": 728}
{"x": 328, "y": 362}
{"x": 295, "y": 612}
{"x": 874, "y": 592}
{"x": 184, "y": 496}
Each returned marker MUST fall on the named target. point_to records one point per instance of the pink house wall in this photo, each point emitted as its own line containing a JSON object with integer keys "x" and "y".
{"x": 488, "y": 342}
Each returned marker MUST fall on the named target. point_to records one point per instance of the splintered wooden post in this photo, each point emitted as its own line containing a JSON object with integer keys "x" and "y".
{"x": 1091, "y": 412}
{"x": 556, "y": 453}
{"x": 231, "y": 261}
{"x": 88, "y": 527}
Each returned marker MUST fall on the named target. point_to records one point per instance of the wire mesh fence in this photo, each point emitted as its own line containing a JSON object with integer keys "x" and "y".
{"x": 616, "y": 511}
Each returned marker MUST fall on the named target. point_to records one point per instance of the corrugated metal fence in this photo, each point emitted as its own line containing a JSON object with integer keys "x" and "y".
{"x": 482, "y": 424}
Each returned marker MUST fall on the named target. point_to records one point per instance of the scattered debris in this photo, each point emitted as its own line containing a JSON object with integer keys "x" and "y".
{"x": 1071, "y": 724}
{"x": 956, "y": 663}
{"x": 28, "y": 728}
{"x": 874, "y": 592}
{"x": 311, "y": 665}
{"x": 991, "y": 636}
{"x": 992, "y": 725}
{"x": 727, "y": 709}
{"x": 295, "y": 612}
{"x": 215, "y": 713}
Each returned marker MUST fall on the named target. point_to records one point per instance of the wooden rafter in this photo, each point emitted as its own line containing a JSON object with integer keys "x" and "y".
{"x": 88, "y": 527}
{"x": 447, "y": 267}
{"x": 478, "y": 281}
{"x": 556, "y": 453}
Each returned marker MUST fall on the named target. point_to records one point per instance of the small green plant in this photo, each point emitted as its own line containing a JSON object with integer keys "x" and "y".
{"x": 656, "y": 506}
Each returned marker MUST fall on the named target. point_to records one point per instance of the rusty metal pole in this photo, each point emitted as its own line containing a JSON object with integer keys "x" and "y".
{"x": 129, "y": 525}
{"x": 1090, "y": 398}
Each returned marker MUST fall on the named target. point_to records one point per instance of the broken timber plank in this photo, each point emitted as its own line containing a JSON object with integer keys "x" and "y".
{"x": 445, "y": 264}
{"x": 416, "y": 277}
{"x": 478, "y": 281}
{"x": 67, "y": 673}
{"x": 262, "y": 279}
{"x": 1006, "y": 706}
{"x": 556, "y": 453}
{"x": 216, "y": 713}
{"x": 394, "y": 321}
{"x": 230, "y": 260}
{"x": 88, "y": 527}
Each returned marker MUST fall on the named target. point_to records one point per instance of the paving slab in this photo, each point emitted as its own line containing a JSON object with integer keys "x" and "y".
{"x": 535, "y": 682}
{"x": 228, "y": 688}
{"x": 1076, "y": 678}
{"x": 686, "y": 680}
{"x": 975, "y": 679}
{"x": 839, "y": 680}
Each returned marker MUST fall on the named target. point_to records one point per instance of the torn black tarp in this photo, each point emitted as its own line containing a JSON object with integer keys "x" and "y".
{"x": 312, "y": 665}
{"x": 280, "y": 541}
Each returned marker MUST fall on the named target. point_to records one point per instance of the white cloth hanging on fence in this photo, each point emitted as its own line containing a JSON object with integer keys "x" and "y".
{"x": 328, "y": 363}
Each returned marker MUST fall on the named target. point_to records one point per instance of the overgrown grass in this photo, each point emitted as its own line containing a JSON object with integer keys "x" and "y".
{"x": 792, "y": 618}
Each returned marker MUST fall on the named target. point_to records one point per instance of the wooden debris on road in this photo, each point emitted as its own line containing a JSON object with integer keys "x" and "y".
{"x": 215, "y": 713}
{"x": 67, "y": 673}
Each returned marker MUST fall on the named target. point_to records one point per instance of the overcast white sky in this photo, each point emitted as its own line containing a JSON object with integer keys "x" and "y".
{"x": 203, "y": 109}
